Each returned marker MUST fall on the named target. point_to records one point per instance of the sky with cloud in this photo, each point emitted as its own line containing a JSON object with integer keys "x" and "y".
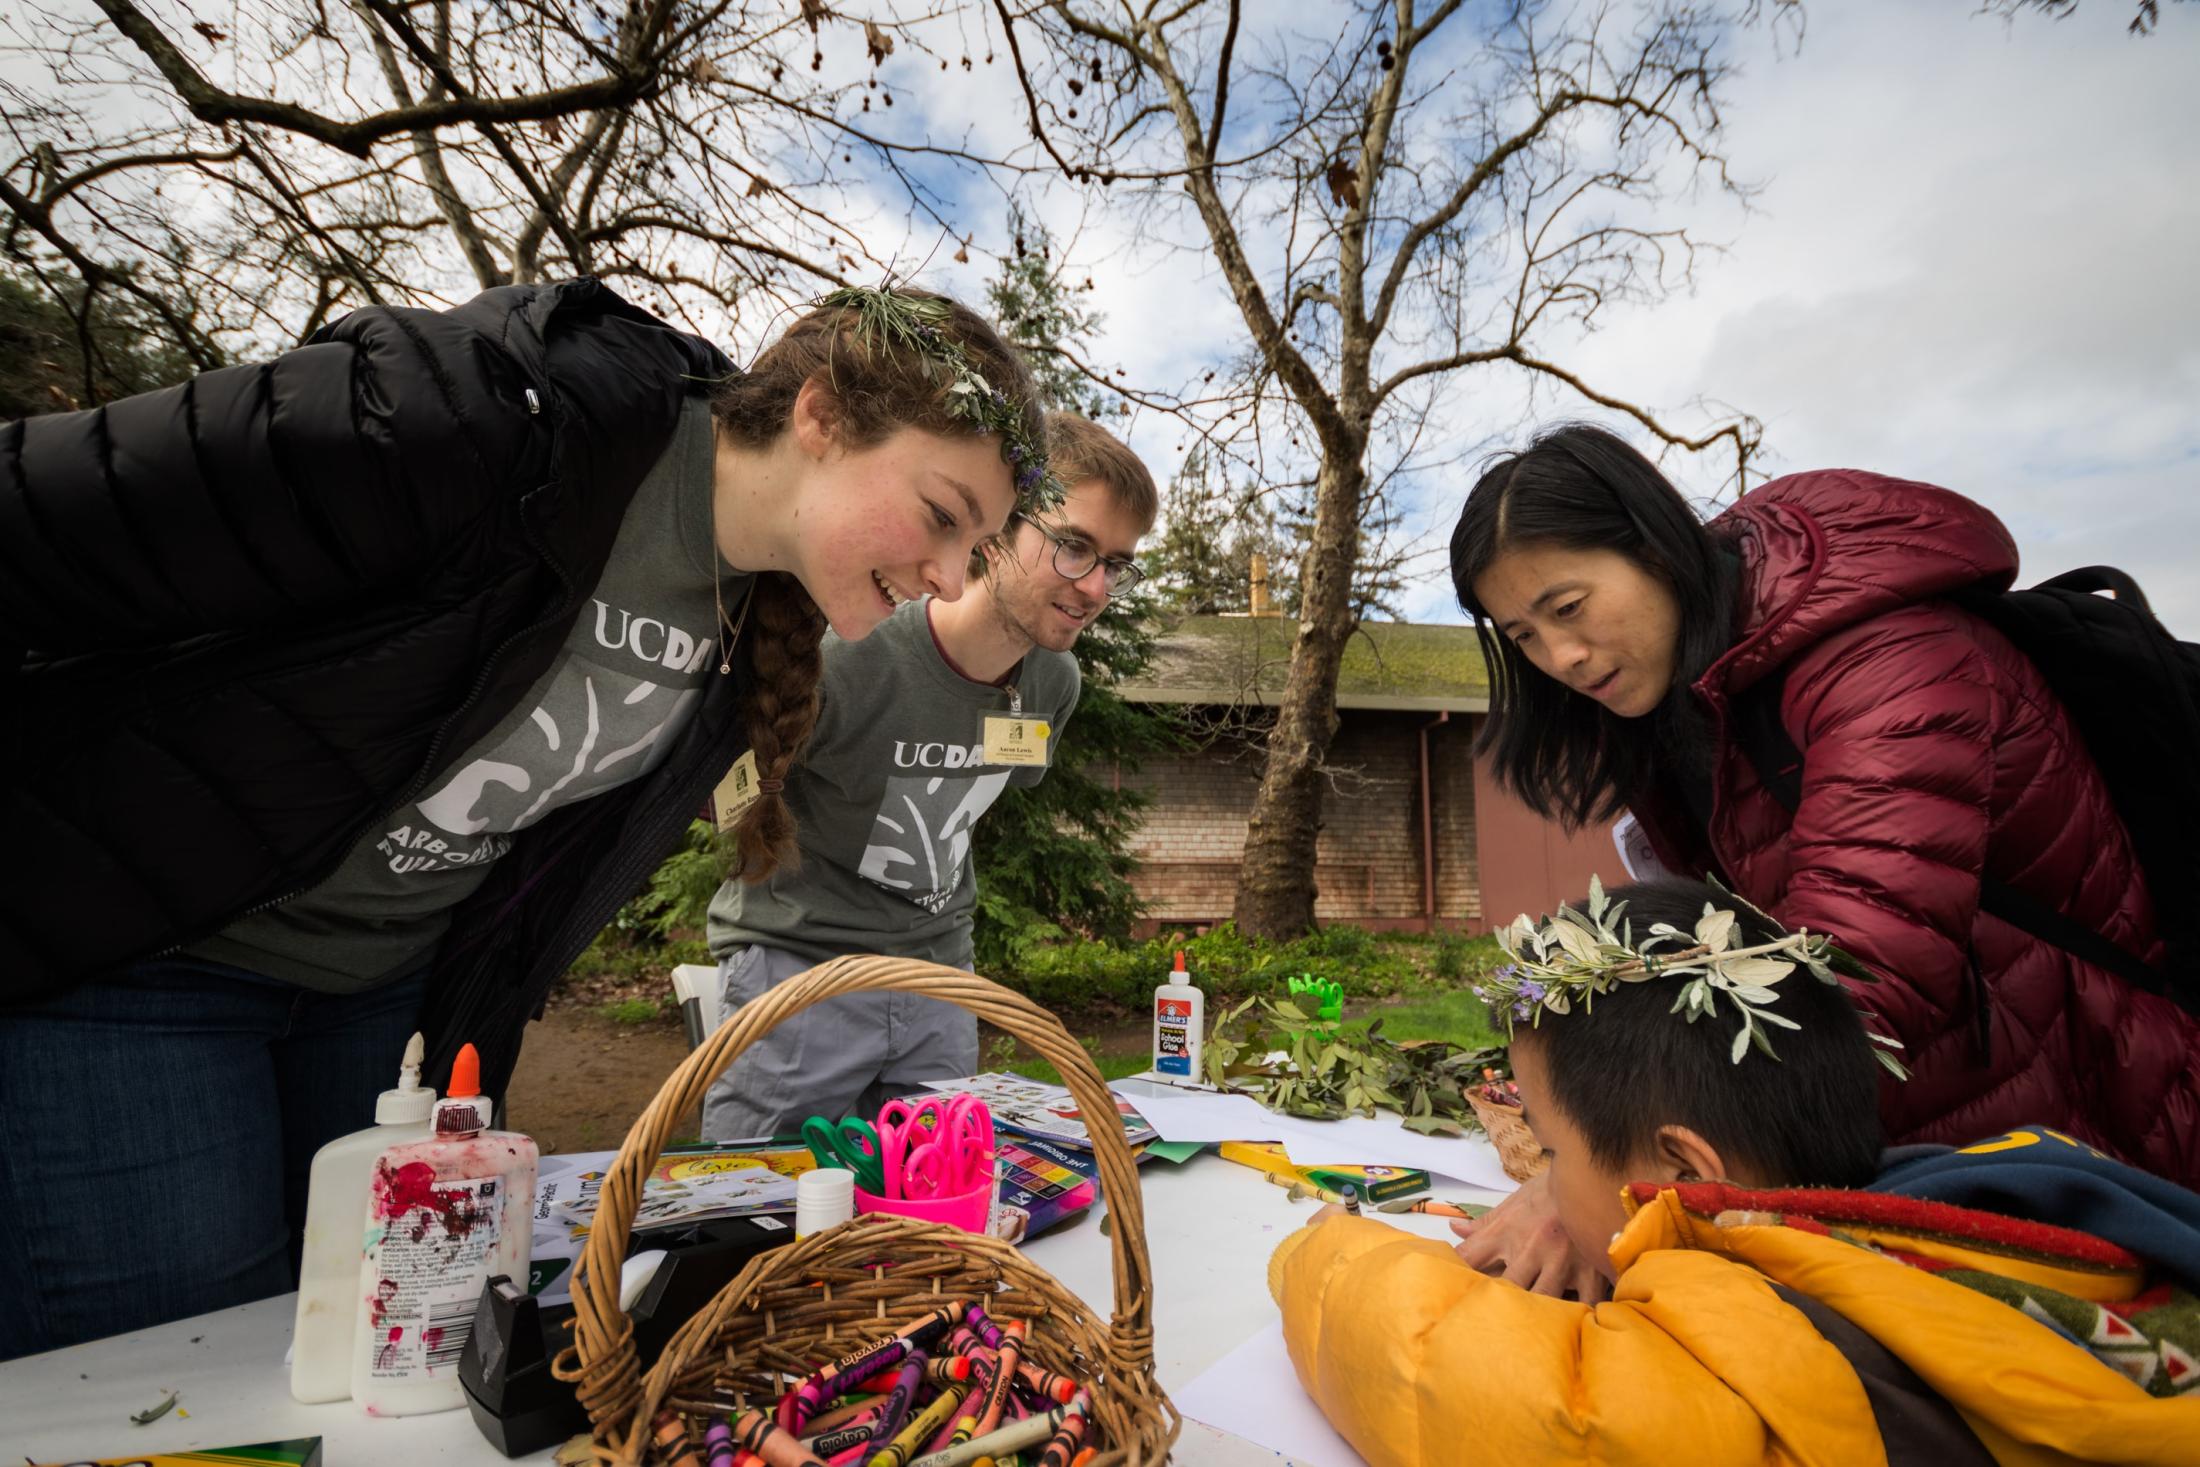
{"x": 1973, "y": 262}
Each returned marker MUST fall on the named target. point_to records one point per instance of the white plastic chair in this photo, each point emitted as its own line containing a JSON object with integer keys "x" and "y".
{"x": 695, "y": 988}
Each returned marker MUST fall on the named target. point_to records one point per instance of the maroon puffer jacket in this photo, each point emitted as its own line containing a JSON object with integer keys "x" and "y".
{"x": 1934, "y": 751}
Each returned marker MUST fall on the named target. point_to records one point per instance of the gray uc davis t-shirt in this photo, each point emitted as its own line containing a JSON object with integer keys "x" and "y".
{"x": 629, "y": 677}
{"x": 885, "y": 797}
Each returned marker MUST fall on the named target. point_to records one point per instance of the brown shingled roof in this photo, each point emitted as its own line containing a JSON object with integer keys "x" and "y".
{"x": 1387, "y": 664}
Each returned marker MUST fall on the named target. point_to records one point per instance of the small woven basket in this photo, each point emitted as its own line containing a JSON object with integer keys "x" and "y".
{"x": 1517, "y": 1149}
{"x": 795, "y": 1308}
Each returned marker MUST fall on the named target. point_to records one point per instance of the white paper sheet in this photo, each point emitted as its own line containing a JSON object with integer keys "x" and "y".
{"x": 1254, "y": 1393}
{"x": 1195, "y": 1115}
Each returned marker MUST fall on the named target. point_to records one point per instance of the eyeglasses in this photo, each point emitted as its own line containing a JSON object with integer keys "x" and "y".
{"x": 1074, "y": 560}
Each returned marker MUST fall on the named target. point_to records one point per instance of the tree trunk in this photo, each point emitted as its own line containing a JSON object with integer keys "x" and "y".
{"x": 1275, "y": 894}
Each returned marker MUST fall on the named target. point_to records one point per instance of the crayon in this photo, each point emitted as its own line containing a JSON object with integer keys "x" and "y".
{"x": 1085, "y": 1457}
{"x": 1435, "y": 1208}
{"x": 1351, "y": 1199}
{"x": 758, "y": 1433}
{"x": 998, "y": 1445}
{"x": 1050, "y": 1385}
{"x": 982, "y": 1382}
{"x": 938, "y": 1371}
{"x": 982, "y": 1325}
{"x": 1004, "y": 1379}
{"x": 718, "y": 1444}
{"x": 898, "y": 1452}
{"x": 670, "y": 1441}
{"x": 1063, "y": 1447}
{"x": 831, "y": 1444}
{"x": 898, "y": 1404}
{"x": 845, "y": 1414}
{"x": 922, "y": 1333}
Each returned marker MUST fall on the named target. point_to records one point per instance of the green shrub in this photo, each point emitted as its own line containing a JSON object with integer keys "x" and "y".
{"x": 1080, "y": 976}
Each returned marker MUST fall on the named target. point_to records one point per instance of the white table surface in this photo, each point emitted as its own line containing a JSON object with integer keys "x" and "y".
{"x": 1211, "y": 1226}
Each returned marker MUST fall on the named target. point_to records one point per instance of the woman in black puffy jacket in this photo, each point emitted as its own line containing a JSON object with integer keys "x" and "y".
{"x": 351, "y": 692}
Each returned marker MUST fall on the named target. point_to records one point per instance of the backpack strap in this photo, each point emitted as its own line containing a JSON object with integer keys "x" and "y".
{"x": 1779, "y": 765}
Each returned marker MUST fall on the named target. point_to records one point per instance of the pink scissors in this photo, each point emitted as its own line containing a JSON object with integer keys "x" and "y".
{"x": 938, "y": 1146}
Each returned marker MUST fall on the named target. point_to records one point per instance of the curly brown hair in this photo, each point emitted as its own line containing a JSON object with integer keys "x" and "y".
{"x": 876, "y": 390}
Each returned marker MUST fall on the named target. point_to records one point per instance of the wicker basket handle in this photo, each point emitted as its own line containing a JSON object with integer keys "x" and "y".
{"x": 603, "y": 1336}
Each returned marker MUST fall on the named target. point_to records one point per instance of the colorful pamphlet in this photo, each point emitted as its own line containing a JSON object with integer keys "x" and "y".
{"x": 1376, "y": 1183}
{"x": 304, "y": 1451}
{"x": 686, "y": 1186}
{"x": 1047, "y": 1112}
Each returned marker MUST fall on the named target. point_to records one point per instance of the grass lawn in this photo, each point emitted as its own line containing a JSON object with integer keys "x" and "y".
{"x": 1455, "y": 1015}
{"x": 1112, "y": 1067}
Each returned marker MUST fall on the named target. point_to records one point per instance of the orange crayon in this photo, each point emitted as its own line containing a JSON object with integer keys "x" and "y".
{"x": 758, "y": 1433}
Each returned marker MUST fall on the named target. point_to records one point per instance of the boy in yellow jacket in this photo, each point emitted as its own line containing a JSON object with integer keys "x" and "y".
{"x": 1685, "y": 1063}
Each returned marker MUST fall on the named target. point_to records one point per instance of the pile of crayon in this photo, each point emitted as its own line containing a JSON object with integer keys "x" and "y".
{"x": 953, "y": 1388}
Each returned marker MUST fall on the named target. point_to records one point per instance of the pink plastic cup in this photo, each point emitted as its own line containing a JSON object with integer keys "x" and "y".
{"x": 969, "y": 1211}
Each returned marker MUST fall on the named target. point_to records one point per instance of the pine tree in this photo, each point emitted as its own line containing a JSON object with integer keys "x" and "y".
{"x": 1055, "y": 858}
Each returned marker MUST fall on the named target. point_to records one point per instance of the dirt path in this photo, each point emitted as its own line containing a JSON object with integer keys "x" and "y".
{"x": 582, "y": 1079}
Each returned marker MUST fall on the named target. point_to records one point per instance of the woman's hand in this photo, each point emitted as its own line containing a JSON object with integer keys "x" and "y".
{"x": 1522, "y": 1241}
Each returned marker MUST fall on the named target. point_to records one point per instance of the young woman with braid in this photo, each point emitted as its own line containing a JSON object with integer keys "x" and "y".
{"x": 350, "y": 693}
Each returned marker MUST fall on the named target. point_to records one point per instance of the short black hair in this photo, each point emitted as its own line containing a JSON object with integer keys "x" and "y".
{"x": 1566, "y": 756}
{"x": 1625, "y": 1066}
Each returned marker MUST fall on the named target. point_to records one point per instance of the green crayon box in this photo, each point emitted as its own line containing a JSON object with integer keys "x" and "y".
{"x": 1376, "y": 1183}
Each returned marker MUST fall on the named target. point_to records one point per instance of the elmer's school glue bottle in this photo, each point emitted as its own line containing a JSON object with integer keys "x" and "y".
{"x": 336, "y": 1206}
{"x": 442, "y": 1216}
{"x": 1179, "y": 1026}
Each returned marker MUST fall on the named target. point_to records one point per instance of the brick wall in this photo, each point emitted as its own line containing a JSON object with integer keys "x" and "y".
{"x": 1368, "y": 860}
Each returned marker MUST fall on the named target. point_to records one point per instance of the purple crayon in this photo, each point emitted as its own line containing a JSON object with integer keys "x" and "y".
{"x": 899, "y": 1402}
{"x": 803, "y": 1402}
{"x": 718, "y": 1444}
{"x": 982, "y": 1325}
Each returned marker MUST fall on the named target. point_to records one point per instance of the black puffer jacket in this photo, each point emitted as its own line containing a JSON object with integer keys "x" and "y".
{"x": 243, "y": 618}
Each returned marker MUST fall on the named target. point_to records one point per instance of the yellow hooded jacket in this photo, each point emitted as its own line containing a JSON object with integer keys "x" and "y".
{"x": 1416, "y": 1358}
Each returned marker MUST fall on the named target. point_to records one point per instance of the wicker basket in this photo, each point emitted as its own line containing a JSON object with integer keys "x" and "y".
{"x": 796, "y": 1307}
{"x": 1517, "y": 1149}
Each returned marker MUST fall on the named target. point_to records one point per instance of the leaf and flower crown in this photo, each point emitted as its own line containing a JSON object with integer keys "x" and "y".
{"x": 892, "y": 320}
{"x": 1572, "y": 957}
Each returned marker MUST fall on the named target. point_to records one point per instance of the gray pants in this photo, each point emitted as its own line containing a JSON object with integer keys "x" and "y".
{"x": 844, "y": 1057}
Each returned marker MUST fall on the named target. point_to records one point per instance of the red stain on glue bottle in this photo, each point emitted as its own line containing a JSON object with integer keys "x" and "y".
{"x": 443, "y": 1215}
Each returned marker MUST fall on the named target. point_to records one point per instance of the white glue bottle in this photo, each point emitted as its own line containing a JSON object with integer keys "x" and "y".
{"x": 443, "y": 1215}
{"x": 1179, "y": 1027}
{"x": 336, "y": 1208}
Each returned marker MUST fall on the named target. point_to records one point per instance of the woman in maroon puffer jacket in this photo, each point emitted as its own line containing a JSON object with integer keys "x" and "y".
{"x": 1620, "y": 629}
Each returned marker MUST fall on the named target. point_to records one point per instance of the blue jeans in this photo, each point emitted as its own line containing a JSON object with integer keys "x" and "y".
{"x": 156, "y": 1130}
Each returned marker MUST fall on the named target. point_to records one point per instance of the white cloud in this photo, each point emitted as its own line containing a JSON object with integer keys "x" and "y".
{"x": 1974, "y": 265}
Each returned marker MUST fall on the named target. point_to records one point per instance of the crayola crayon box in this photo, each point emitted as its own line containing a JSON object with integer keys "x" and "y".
{"x": 305, "y": 1451}
{"x": 1376, "y": 1183}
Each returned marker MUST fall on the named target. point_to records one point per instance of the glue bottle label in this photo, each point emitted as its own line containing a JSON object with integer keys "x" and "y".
{"x": 429, "y": 1266}
{"x": 1173, "y": 1036}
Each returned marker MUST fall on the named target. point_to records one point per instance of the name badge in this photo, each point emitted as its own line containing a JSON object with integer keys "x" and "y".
{"x": 1010, "y": 738}
{"x": 736, "y": 792}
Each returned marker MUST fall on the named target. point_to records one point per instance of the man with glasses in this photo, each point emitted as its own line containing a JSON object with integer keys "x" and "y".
{"x": 920, "y": 727}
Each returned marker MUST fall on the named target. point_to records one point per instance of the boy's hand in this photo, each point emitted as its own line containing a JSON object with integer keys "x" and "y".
{"x": 1328, "y": 1211}
{"x": 1522, "y": 1241}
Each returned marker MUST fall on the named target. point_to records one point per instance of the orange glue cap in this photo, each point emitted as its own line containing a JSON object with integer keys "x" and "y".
{"x": 465, "y": 1074}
